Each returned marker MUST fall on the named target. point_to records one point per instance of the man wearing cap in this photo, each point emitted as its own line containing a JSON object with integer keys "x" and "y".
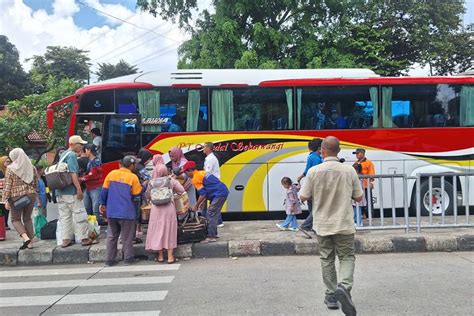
{"x": 364, "y": 166}
{"x": 121, "y": 187}
{"x": 211, "y": 165}
{"x": 72, "y": 213}
{"x": 209, "y": 188}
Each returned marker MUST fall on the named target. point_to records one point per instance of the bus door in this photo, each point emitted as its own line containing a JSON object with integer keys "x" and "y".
{"x": 122, "y": 136}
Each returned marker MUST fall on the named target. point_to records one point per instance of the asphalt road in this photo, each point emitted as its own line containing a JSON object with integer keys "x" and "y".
{"x": 388, "y": 284}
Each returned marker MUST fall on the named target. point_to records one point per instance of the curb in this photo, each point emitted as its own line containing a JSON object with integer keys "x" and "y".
{"x": 46, "y": 252}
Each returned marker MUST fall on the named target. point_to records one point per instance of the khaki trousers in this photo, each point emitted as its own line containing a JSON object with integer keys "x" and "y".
{"x": 343, "y": 246}
{"x": 73, "y": 217}
{"x": 21, "y": 218}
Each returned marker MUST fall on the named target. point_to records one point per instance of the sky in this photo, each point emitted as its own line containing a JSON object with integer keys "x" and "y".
{"x": 96, "y": 26}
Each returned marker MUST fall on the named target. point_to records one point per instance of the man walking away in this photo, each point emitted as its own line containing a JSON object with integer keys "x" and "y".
{"x": 120, "y": 188}
{"x": 332, "y": 185}
{"x": 72, "y": 213}
{"x": 314, "y": 159}
{"x": 211, "y": 165}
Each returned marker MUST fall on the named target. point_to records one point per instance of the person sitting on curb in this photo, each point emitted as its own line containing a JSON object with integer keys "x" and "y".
{"x": 209, "y": 188}
{"x": 120, "y": 189}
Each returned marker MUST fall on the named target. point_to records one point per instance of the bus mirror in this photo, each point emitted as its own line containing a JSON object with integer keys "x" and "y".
{"x": 50, "y": 118}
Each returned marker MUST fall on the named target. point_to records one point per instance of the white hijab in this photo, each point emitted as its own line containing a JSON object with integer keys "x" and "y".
{"x": 21, "y": 165}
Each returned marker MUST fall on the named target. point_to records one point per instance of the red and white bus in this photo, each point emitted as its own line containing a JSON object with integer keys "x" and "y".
{"x": 261, "y": 121}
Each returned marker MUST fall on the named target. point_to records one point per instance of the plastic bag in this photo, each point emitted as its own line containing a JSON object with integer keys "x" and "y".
{"x": 39, "y": 221}
{"x": 93, "y": 224}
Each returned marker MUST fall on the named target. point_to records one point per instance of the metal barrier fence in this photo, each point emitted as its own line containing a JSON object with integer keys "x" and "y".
{"x": 429, "y": 189}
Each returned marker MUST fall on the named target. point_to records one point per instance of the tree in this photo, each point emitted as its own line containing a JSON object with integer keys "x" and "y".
{"x": 29, "y": 114}
{"x": 108, "y": 71}
{"x": 14, "y": 82}
{"x": 60, "y": 63}
{"x": 386, "y": 36}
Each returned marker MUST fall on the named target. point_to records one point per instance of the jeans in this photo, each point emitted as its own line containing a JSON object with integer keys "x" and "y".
{"x": 343, "y": 246}
{"x": 290, "y": 221}
{"x": 360, "y": 216}
{"x": 212, "y": 215}
{"x": 91, "y": 202}
{"x": 204, "y": 213}
{"x": 308, "y": 222}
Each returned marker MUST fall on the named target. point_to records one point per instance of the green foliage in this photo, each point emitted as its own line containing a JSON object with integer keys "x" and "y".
{"x": 386, "y": 36}
{"x": 108, "y": 71}
{"x": 14, "y": 82}
{"x": 29, "y": 114}
{"x": 60, "y": 63}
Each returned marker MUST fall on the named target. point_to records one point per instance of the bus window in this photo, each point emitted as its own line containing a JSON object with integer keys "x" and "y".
{"x": 252, "y": 109}
{"x": 337, "y": 107}
{"x": 97, "y": 101}
{"x": 466, "y": 115}
{"x": 173, "y": 110}
{"x": 121, "y": 134}
{"x": 85, "y": 123}
{"x": 126, "y": 101}
{"x": 406, "y": 106}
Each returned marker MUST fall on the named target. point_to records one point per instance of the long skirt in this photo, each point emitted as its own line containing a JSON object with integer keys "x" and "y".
{"x": 162, "y": 228}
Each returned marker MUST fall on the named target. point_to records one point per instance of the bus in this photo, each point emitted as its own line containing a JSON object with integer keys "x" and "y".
{"x": 260, "y": 122}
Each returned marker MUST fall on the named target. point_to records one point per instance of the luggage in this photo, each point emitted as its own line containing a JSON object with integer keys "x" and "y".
{"x": 193, "y": 228}
{"x": 49, "y": 230}
{"x": 58, "y": 176}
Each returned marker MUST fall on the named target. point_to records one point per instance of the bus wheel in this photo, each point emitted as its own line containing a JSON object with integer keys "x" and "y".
{"x": 437, "y": 197}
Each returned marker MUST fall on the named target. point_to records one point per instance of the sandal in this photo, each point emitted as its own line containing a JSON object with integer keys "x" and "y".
{"x": 65, "y": 245}
{"x": 159, "y": 261}
{"x": 208, "y": 240}
{"x": 174, "y": 260}
{"x": 25, "y": 244}
{"x": 137, "y": 241}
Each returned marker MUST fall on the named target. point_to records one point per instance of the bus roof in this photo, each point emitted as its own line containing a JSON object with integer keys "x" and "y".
{"x": 232, "y": 77}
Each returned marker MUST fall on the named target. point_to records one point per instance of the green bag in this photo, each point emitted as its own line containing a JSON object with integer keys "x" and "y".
{"x": 39, "y": 221}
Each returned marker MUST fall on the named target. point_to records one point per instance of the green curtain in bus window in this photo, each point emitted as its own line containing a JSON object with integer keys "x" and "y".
{"x": 375, "y": 103}
{"x": 466, "y": 111}
{"x": 222, "y": 110}
{"x": 387, "y": 107}
{"x": 194, "y": 101}
{"x": 149, "y": 105}
{"x": 299, "y": 95}
{"x": 289, "y": 102}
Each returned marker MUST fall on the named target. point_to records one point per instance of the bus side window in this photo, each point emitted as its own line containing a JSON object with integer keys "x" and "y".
{"x": 408, "y": 106}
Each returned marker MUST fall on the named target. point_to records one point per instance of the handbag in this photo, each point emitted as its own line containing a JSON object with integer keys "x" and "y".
{"x": 145, "y": 209}
{"x": 192, "y": 229}
{"x": 58, "y": 176}
{"x": 48, "y": 231}
{"x": 181, "y": 202}
{"x": 20, "y": 202}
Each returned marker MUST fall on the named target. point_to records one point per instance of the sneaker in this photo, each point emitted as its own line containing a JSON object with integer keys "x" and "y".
{"x": 130, "y": 261}
{"x": 330, "y": 301}
{"x": 110, "y": 263}
{"x": 344, "y": 298}
{"x": 292, "y": 229}
{"x": 220, "y": 225}
{"x": 281, "y": 227}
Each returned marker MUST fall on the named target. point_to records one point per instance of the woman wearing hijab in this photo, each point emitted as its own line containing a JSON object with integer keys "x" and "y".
{"x": 163, "y": 225}
{"x": 177, "y": 161}
{"x": 4, "y": 162}
{"x": 21, "y": 181}
{"x": 144, "y": 175}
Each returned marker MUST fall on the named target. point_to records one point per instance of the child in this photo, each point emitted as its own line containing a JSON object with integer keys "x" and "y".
{"x": 292, "y": 205}
{"x": 42, "y": 195}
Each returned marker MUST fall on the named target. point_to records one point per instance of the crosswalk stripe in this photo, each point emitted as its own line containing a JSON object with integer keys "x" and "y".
{"x": 144, "y": 313}
{"x": 142, "y": 296}
{"x": 82, "y": 283}
{"x": 88, "y": 270}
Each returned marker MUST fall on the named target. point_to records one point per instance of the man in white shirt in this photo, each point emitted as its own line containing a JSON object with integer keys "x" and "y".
{"x": 211, "y": 165}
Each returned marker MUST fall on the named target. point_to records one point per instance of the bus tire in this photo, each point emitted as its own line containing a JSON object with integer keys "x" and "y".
{"x": 437, "y": 198}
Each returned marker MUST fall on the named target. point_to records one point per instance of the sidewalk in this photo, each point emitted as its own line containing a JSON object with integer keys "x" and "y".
{"x": 249, "y": 238}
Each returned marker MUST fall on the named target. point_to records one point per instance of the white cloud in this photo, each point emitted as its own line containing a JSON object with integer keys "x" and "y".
{"x": 32, "y": 31}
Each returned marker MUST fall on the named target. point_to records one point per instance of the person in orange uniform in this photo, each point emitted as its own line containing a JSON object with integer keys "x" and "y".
{"x": 364, "y": 166}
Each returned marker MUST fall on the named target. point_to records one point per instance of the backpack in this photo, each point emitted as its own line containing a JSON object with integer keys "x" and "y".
{"x": 161, "y": 192}
{"x": 58, "y": 176}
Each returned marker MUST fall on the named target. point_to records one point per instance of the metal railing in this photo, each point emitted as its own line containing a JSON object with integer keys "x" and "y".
{"x": 434, "y": 198}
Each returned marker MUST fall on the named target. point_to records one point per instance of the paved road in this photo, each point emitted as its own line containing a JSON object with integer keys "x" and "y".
{"x": 389, "y": 284}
